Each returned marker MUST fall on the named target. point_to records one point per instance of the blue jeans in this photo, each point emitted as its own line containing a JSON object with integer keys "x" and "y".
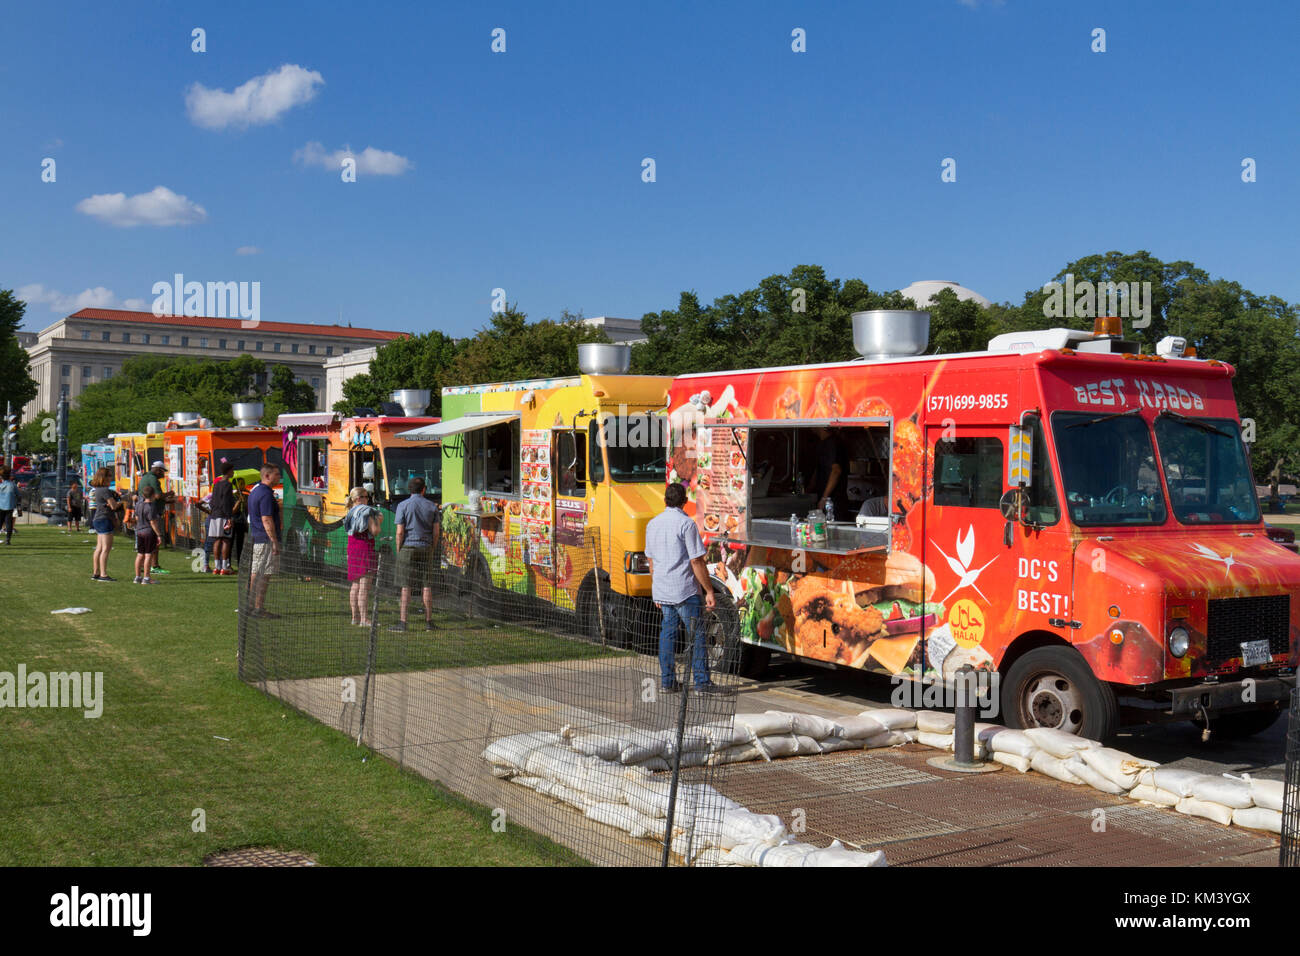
{"x": 687, "y": 614}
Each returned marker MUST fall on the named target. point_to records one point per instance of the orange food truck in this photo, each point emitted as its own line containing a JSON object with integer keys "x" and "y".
{"x": 326, "y": 455}
{"x": 1061, "y": 511}
{"x": 195, "y": 451}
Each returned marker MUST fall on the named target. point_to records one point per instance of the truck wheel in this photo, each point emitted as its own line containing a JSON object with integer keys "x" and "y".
{"x": 1054, "y": 687}
{"x": 1244, "y": 723}
{"x": 589, "y": 608}
{"x": 728, "y": 654}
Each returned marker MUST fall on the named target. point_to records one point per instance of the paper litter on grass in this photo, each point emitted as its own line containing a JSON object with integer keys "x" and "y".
{"x": 72, "y": 610}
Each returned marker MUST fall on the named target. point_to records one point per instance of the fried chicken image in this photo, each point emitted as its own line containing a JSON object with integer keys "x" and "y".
{"x": 872, "y": 408}
{"x": 819, "y": 603}
{"x": 788, "y": 404}
{"x": 909, "y": 463}
{"x": 826, "y": 400}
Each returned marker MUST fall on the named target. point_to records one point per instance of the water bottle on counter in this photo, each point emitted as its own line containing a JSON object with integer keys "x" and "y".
{"x": 830, "y": 511}
{"x": 794, "y": 527}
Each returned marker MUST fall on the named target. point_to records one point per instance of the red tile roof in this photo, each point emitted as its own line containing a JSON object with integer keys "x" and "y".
{"x": 199, "y": 322}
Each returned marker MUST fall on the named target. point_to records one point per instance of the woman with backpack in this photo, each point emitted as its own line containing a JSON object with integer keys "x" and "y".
{"x": 362, "y": 522}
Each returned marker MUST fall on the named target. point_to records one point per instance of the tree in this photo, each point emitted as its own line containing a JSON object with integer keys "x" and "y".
{"x": 33, "y": 435}
{"x": 287, "y": 395}
{"x": 420, "y": 361}
{"x": 511, "y": 348}
{"x": 16, "y": 383}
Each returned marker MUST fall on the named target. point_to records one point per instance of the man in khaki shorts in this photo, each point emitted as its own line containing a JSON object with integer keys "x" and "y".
{"x": 264, "y": 526}
{"x": 418, "y": 528}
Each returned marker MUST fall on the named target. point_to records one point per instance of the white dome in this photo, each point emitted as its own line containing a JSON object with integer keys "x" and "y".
{"x": 920, "y": 292}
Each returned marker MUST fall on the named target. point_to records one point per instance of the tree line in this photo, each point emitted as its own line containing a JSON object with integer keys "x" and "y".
{"x": 798, "y": 318}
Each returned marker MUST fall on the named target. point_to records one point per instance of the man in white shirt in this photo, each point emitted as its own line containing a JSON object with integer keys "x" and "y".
{"x": 678, "y": 576}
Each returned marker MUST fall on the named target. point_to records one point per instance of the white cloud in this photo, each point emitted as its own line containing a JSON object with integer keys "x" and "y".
{"x": 136, "y": 305}
{"x": 248, "y": 251}
{"x": 370, "y": 161}
{"x": 96, "y": 298}
{"x": 158, "y": 207}
{"x": 261, "y": 100}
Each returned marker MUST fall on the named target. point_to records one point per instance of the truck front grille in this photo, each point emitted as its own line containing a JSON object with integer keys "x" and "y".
{"x": 1233, "y": 620}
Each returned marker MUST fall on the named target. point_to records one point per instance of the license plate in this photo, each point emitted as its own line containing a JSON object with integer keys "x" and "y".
{"x": 1255, "y": 652}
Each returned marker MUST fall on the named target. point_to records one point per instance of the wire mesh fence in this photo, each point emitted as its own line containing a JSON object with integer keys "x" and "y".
{"x": 1290, "y": 849}
{"x": 526, "y": 683}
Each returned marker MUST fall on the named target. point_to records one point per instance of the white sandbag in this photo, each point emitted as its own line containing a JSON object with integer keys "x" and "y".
{"x": 1116, "y": 766}
{"x": 643, "y": 745}
{"x": 737, "y": 754}
{"x": 786, "y": 745}
{"x": 935, "y": 722}
{"x": 809, "y": 725}
{"x": 741, "y": 826}
{"x": 532, "y": 783}
{"x": 893, "y": 718}
{"x": 890, "y": 738}
{"x": 574, "y": 798}
{"x": 831, "y": 744}
{"x": 648, "y": 797}
{"x": 694, "y": 739}
{"x": 838, "y": 855}
{"x": 1005, "y": 741}
{"x": 1226, "y": 790}
{"x": 1053, "y": 767}
{"x": 860, "y": 727}
{"x": 714, "y": 856}
{"x": 607, "y": 782}
{"x": 615, "y": 815}
{"x": 764, "y": 725}
{"x": 511, "y": 753}
{"x": 937, "y": 741}
{"x": 689, "y": 844}
{"x": 598, "y": 745}
{"x": 1267, "y": 793}
{"x": 1174, "y": 779}
{"x": 722, "y": 734}
{"x": 559, "y": 763}
{"x": 1204, "y": 808}
{"x": 1258, "y": 818}
{"x": 654, "y": 764}
{"x": 1014, "y": 761}
{"x": 787, "y": 854}
{"x": 1058, "y": 743}
{"x": 1091, "y": 776}
{"x": 1148, "y": 793}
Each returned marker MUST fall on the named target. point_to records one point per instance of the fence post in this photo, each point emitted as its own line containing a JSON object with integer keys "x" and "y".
{"x": 681, "y": 733}
{"x": 371, "y": 651}
{"x": 1289, "y": 852}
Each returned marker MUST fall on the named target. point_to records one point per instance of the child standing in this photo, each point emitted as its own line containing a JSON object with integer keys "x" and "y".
{"x": 147, "y": 532}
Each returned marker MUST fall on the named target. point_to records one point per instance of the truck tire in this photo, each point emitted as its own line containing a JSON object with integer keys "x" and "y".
{"x": 1055, "y": 687}
{"x": 589, "y": 607}
{"x": 1243, "y": 723}
{"x": 728, "y": 654}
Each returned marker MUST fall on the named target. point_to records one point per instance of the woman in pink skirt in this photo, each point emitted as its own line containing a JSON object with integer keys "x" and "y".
{"x": 362, "y": 522}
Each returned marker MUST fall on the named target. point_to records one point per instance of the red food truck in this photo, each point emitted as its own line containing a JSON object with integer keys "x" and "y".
{"x": 1060, "y": 511}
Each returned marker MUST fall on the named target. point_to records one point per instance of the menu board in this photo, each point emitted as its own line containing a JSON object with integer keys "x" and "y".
{"x": 535, "y": 494}
{"x": 721, "y": 478}
{"x": 570, "y": 520}
{"x": 191, "y": 466}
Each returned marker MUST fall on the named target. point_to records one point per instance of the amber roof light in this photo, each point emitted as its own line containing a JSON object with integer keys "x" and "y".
{"x": 1108, "y": 325}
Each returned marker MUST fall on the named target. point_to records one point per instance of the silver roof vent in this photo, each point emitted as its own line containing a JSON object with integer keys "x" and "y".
{"x": 601, "y": 358}
{"x": 247, "y": 414}
{"x": 414, "y": 401}
{"x": 890, "y": 333}
{"x": 185, "y": 418}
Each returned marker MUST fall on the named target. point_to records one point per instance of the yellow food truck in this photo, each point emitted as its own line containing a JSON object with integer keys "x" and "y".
{"x": 548, "y": 484}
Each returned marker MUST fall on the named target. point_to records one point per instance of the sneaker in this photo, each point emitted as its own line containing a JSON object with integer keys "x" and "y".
{"x": 94, "y": 577}
{"x": 161, "y": 571}
{"x": 147, "y": 581}
{"x": 105, "y": 577}
{"x": 428, "y": 626}
{"x": 226, "y": 571}
{"x": 137, "y": 579}
{"x": 709, "y": 688}
{"x": 672, "y": 689}
{"x": 397, "y": 626}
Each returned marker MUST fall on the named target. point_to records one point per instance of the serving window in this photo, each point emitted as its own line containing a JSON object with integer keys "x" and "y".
{"x": 313, "y": 463}
{"x": 795, "y": 468}
{"x": 492, "y": 458}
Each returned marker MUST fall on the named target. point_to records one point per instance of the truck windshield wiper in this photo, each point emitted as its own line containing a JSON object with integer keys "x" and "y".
{"x": 1193, "y": 422}
{"x": 1105, "y": 418}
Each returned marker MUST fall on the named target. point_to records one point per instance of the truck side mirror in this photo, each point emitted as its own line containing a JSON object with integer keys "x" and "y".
{"x": 1013, "y": 504}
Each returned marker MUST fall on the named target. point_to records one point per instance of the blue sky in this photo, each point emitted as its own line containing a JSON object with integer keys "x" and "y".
{"x": 522, "y": 170}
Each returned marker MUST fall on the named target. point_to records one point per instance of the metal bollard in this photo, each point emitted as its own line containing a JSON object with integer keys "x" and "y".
{"x": 963, "y": 731}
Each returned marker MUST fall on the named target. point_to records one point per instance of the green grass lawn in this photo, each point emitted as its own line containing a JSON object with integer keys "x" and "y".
{"x": 121, "y": 789}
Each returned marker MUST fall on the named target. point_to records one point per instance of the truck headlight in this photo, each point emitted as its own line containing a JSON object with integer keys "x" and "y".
{"x": 635, "y": 562}
{"x": 1179, "y": 641}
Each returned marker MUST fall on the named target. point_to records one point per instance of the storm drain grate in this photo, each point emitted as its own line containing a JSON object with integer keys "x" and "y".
{"x": 258, "y": 856}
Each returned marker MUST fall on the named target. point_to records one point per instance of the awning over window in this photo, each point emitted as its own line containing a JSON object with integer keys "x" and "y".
{"x": 455, "y": 426}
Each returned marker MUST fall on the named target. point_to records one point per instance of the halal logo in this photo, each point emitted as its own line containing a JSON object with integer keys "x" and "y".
{"x": 961, "y": 565}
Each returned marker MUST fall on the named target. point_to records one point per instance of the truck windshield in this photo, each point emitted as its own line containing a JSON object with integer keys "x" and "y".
{"x": 1206, "y": 471}
{"x": 403, "y": 464}
{"x": 637, "y": 447}
{"x": 1108, "y": 467}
